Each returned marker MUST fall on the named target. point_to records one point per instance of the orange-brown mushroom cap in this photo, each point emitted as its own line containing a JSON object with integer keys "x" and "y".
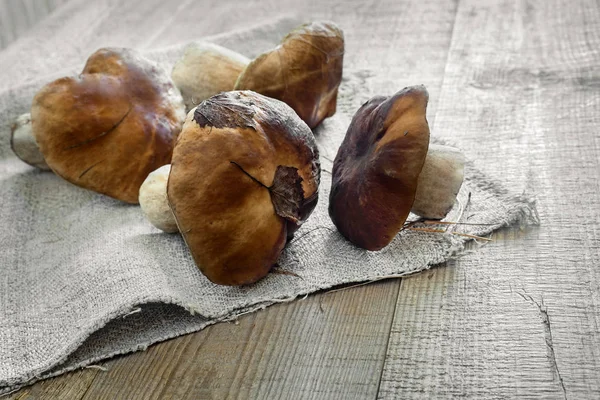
{"x": 108, "y": 128}
{"x": 245, "y": 174}
{"x": 377, "y": 166}
{"x": 304, "y": 71}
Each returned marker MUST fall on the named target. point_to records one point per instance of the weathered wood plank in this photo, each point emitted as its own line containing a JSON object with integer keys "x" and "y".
{"x": 68, "y": 387}
{"x": 520, "y": 318}
{"x": 270, "y": 354}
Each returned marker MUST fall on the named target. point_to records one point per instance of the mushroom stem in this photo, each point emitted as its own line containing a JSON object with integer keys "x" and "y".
{"x": 439, "y": 182}
{"x": 205, "y": 70}
{"x": 23, "y": 143}
{"x": 154, "y": 202}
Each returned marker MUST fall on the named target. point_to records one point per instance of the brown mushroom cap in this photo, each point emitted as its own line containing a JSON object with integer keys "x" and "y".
{"x": 108, "y": 128}
{"x": 304, "y": 71}
{"x": 245, "y": 174}
{"x": 377, "y": 167}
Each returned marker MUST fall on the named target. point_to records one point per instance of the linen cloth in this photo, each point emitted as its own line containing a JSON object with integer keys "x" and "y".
{"x": 84, "y": 277}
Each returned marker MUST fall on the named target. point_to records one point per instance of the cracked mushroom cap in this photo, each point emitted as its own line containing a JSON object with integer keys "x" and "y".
{"x": 109, "y": 127}
{"x": 245, "y": 174}
{"x": 304, "y": 71}
{"x": 376, "y": 169}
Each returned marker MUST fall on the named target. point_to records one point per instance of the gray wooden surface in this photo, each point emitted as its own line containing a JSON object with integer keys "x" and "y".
{"x": 516, "y": 84}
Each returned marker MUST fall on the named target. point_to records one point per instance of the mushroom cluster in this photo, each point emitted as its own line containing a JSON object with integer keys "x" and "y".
{"x": 240, "y": 174}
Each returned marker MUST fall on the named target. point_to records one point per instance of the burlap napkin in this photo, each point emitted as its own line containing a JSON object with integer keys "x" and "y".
{"x": 73, "y": 263}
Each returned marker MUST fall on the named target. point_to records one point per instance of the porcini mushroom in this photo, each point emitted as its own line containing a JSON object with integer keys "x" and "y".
{"x": 153, "y": 200}
{"x": 304, "y": 71}
{"x": 377, "y": 172}
{"x": 112, "y": 125}
{"x": 23, "y": 143}
{"x": 244, "y": 176}
{"x": 205, "y": 70}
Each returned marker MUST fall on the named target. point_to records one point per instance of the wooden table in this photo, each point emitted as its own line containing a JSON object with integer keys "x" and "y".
{"x": 515, "y": 83}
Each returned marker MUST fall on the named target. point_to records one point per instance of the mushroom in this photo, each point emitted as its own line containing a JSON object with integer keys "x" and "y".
{"x": 109, "y": 127}
{"x": 205, "y": 70}
{"x": 153, "y": 200}
{"x": 244, "y": 176}
{"x": 304, "y": 71}
{"x": 377, "y": 172}
{"x": 23, "y": 143}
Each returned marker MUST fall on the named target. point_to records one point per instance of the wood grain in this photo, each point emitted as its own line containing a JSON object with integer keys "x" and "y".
{"x": 72, "y": 386}
{"x": 519, "y": 318}
{"x": 267, "y": 354}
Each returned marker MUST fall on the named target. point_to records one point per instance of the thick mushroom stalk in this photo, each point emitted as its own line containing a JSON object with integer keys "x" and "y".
{"x": 439, "y": 182}
{"x": 205, "y": 70}
{"x": 154, "y": 202}
{"x": 23, "y": 143}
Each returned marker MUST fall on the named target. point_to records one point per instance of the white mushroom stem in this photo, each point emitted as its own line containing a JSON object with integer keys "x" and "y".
{"x": 23, "y": 143}
{"x": 440, "y": 180}
{"x": 205, "y": 70}
{"x": 154, "y": 202}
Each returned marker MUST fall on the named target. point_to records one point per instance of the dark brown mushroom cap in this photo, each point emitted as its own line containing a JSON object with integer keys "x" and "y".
{"x": 377, "y": 166}
{"x": 108, "y": 128}
{"x": 304, "y": 71}
{"x": 245, "y": 173}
